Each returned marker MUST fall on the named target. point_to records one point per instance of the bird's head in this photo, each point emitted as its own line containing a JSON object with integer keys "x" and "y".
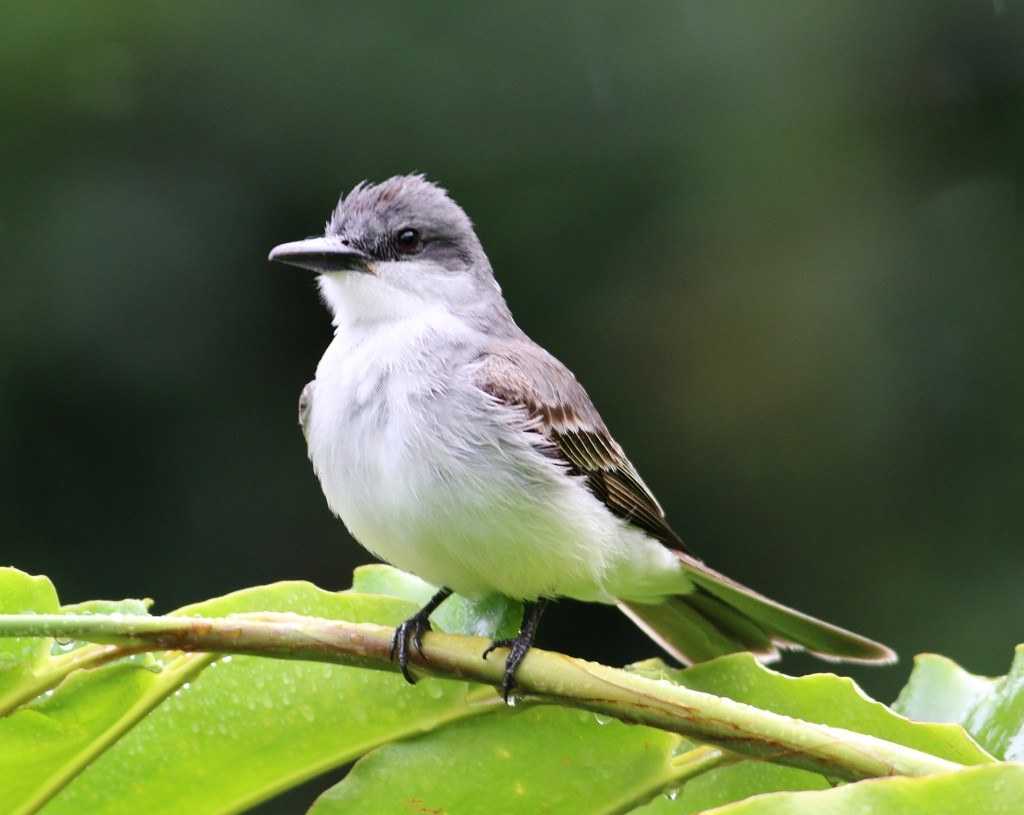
{"x": 396, "y": 248}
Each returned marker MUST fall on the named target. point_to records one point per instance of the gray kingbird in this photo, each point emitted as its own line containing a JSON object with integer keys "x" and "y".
{"x": 456, "y": 448}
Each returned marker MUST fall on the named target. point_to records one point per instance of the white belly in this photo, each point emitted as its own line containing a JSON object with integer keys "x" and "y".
{"x": 431, "y": 477}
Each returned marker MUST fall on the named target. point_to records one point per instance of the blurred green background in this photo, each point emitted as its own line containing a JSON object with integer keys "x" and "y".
{"x": 779, "y": 243}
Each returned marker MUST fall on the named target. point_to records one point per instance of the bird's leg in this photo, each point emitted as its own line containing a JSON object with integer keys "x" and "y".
{"x": 520, "y": 644}
{"x": 413, "y": 630}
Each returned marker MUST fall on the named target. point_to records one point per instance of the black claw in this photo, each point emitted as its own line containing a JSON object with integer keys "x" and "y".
{"x": 494, "y": 646}
{"x": 518, "y": 646}
{"x": 412, "y": 630}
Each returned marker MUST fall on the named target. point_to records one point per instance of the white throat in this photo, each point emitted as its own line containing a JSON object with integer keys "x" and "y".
{"x": 365, "y": 298}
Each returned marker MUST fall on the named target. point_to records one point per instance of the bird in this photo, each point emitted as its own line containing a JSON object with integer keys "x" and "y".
{"x": 456, "y": 448}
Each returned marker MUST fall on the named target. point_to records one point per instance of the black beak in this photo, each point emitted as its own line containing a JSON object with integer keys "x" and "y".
{"x": 326, "y": 254}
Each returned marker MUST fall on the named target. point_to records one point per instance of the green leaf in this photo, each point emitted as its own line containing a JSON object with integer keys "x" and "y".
{"x": 21, "y": 658}
{"x": 991, "y": 789}
{"x": 991, "y": 710}
{"x": 820, "y": 698}
{"x": 939, "y": 690}
{"x": 248, "y": 727}
{"x": 56, "y": 733}
{"x": 538, "y": 760}
{"x": 46, "y": 743}
{"x": 376, "y": 578}
{"x": 239, "y": 729}
{"x": 60, "y": 718}
{"x": 733, "y": 782}
{"x": 492, "y": 616}
{"x": 108, "y": 607}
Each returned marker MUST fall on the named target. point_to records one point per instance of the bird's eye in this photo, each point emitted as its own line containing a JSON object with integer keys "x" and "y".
{"x": 408, "y": 241}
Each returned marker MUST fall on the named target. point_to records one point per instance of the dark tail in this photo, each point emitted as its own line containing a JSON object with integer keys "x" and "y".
{"x": 721, "y": 616}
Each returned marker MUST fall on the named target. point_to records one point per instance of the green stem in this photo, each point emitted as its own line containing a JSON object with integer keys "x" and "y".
{"x": 548, "y": 676}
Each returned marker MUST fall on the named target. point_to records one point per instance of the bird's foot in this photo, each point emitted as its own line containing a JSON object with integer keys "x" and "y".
{"x": 412, "y": 631}
{"x": 518, "y": 646}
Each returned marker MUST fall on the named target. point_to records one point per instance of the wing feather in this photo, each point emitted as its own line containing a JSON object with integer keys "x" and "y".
{"x": 719, "y": 615}
{"x": 559, "y": 410}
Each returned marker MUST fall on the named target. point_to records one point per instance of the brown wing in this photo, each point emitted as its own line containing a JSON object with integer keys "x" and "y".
{"x": 560, "y": 411}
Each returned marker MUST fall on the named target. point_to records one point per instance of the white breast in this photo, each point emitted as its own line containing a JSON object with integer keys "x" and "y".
{"x": 432, "y": 476}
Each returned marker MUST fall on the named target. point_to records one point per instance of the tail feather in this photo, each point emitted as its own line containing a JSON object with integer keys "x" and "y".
{"x": 695, "y": 632}
{"x": 720, "y": 616}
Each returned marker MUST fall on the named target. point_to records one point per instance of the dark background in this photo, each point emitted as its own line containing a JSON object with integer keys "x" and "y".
{"x": 779, "y": 243}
